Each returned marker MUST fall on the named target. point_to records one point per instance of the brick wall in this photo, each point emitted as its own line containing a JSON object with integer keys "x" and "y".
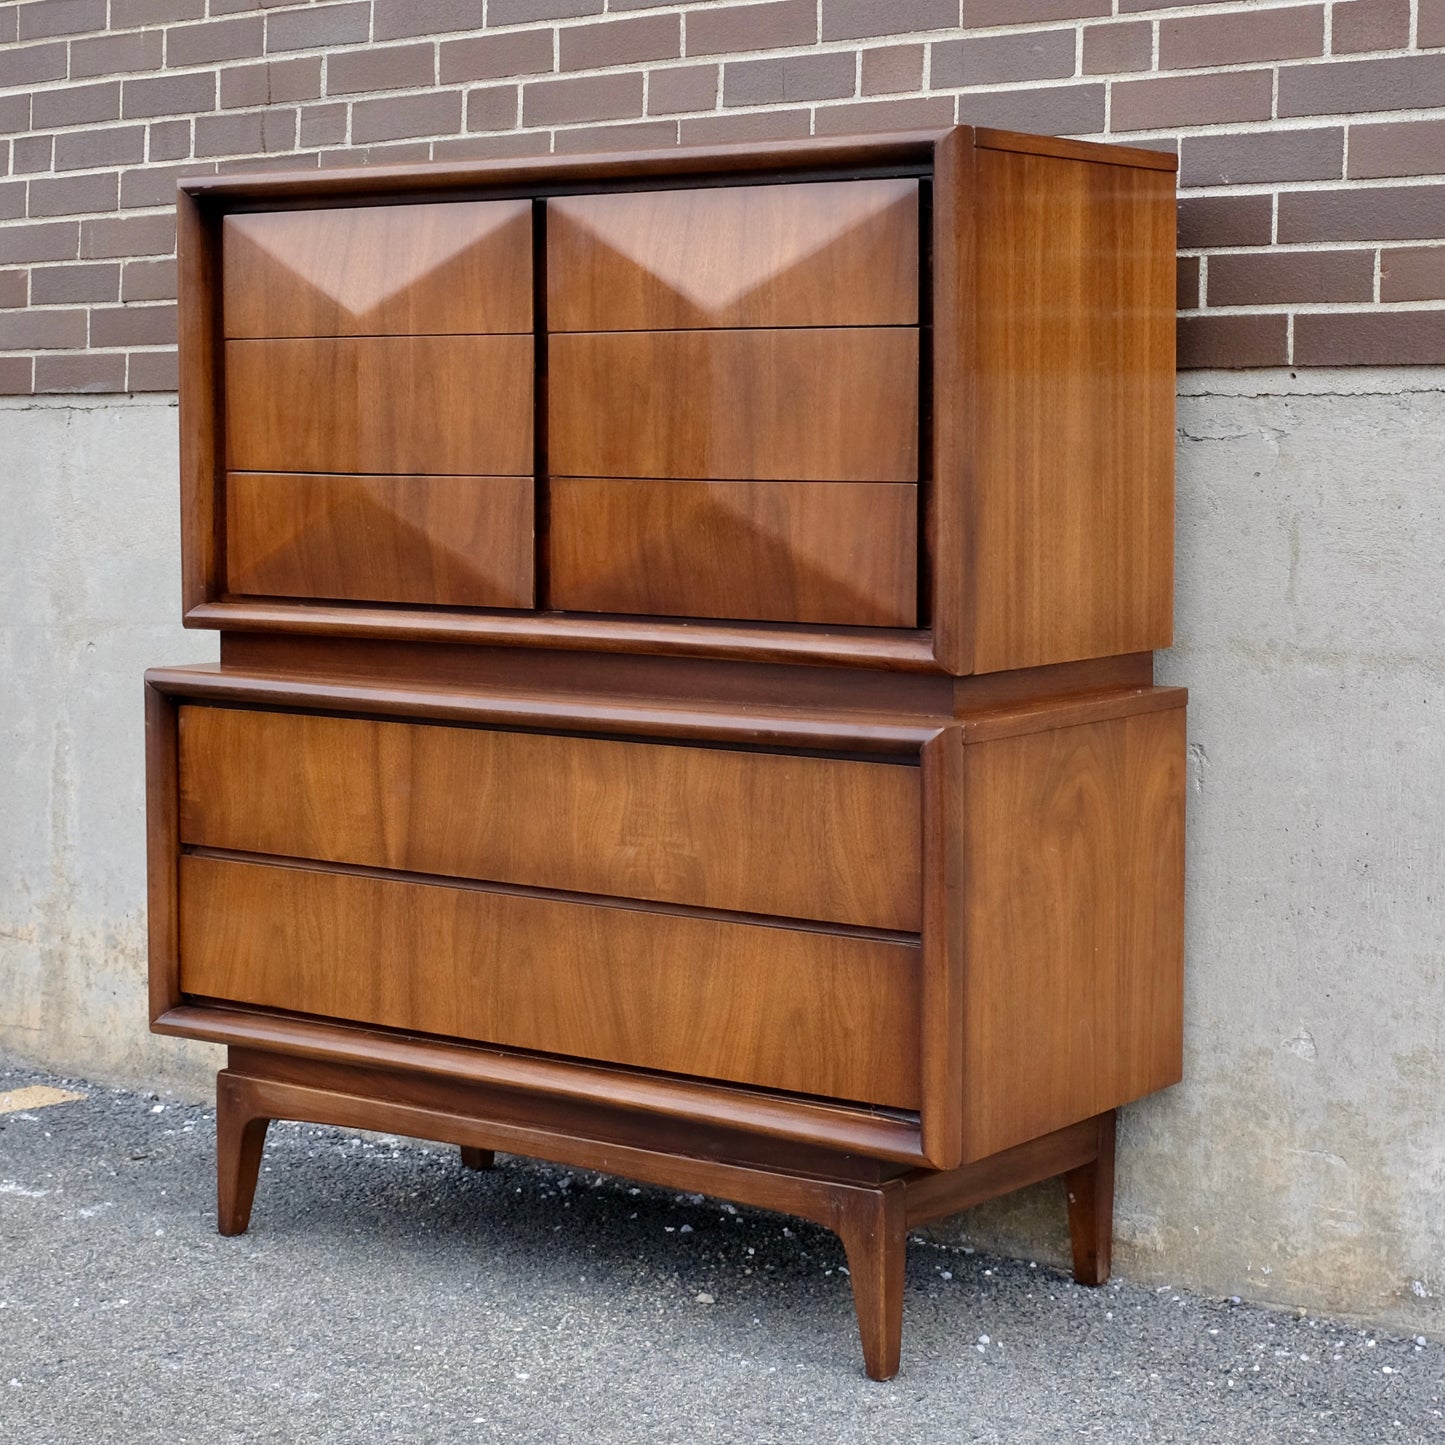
{"x": 1311, "y": 136}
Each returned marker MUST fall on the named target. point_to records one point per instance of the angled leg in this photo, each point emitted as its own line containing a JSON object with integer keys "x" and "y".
{"x": 240, "y": 1138}
{"x": 477, "y": 1158}
{"x": 1090, "y": 1192}
{"x": 871, "y": 1224}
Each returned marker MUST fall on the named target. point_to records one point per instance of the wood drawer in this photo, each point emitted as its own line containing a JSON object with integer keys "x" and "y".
{"x": 442, "y": 541}
{"x": 766, "y": 833}
{"x": 449, "y": 405}
{"x": 814, "y": 405}
{"x": 459, "y": 267}
{"x": 840, "y": 552}
{"x": 837, "y": 253}
{"x": 809, "y": 1011}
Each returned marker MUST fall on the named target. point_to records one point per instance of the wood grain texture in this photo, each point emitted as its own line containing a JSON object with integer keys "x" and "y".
{"x": 839, "y": 552}
{"x": 438, "y": 541}
{"x": 821, "y": 405}
{"x": 1074, "y": 924}
{"x": 1073, "y": 511}
{"x": 162, "y": 782}
{"x": 452, "y": 268}
{"x": 835, "y": 253}
{"x": 735, "y": 1001}
{"x": 447, "y": 405}
{"x": 198, "y": 359}
{"x": 795, "y": 837}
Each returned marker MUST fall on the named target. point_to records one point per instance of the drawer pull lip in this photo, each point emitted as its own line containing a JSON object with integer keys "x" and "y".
{"x": 556, "y": 895}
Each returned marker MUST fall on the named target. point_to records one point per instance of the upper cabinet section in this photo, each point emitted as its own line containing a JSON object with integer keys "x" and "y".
{"x": 454, "y": 268}
{"x": 841, "y": 253}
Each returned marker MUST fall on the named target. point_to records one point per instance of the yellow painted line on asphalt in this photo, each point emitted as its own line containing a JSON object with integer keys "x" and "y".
{"x": 37, "y": 1096}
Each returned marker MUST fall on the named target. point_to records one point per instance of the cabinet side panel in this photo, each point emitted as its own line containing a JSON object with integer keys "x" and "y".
{"x": 1074, "y": 924}
{"x": 199, "y": 412}
{"x": 1074, "y": 496}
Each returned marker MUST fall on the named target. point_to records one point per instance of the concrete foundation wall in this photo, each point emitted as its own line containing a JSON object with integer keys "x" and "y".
{"x": 1302, "y": 1162}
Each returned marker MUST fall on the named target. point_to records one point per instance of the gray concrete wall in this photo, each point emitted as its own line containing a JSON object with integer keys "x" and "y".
{"x": 1303, "y": 1160}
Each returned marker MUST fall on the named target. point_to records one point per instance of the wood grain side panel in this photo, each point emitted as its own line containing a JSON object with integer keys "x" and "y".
{"x": 442, "y": 541}
{"x": 451, "y": 268}
{"x": 1074, "y": 496}
{"x": 821, "y": 405}
{"x": 770, "y": 833}
{"x": 201, "y": 443}
{"x": 834, "y": 253}
{"x": 734, "y": 1001}
{"x": 841, "y": 552}
{"x": 1074, "y": 924}
{"x": 448, "y": 405}
{"x": 162, "y": 850}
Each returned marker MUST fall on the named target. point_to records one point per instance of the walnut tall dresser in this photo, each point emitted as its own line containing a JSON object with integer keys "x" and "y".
{"x": 685, "y": 705}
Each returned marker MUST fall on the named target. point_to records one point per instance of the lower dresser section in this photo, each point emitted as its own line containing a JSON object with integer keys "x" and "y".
{"x": 807, "y": 1010}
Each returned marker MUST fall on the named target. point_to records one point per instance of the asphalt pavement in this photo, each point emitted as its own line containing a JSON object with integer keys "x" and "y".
{"x": 385, "y": 1293}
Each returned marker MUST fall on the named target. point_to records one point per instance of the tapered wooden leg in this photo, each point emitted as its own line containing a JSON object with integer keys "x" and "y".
{"x": 240, "y": 1138}
{"x": 870, "y": 1222}
{"x": 1090, "y": 1192}
{"x": 477, "y": 1158}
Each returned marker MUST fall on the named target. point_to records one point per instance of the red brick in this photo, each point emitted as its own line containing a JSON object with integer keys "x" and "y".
{"x": 491, "y": 147}
{"x": 1383, "y": 213}
{"x": 1047, "y": 110}
{"x": 76, "y": 105}
{"x": 1362, "y": 338}
{"x": 41, "y": 18}
{"x": 151, "y": 371}
{"x": 790, "y": 78}
{"x": 1430, "y": 25}
{"x": 104, "y": 146}
{"x": 686, "y": 87}
{"x": 1412, "y": 273}
{"x": 149, "y": 281}
{"x": 1029, "y": 12}
{"x": 1397, "y": 148}
{"x": 619, "y": 42}
{"x": 169, "y": 95}
{"x": 1406, "y": 82}
{"x": 61, "y": 285}
{"x": 42, "y": 330}
{"x": 272, "y": 82}
{"x": 170, "y": 140}
{"x": 644, "y": 135}
{"x": 752, "y": 125}
{"x": 322, "y": 125}
{"x": 1164, "y": 102}
{"x": 48, "y": 241}
{"x": 1245, "y": 157}
{"x": 492, "y": 107}
{"x": 32, "y": 154}
{"x": 237, "y": 39}
{"x": 318, "y": 27}
{"x": 497, "y": 57}
{"x": 1003, "y": 59}
{"x": 1255, "y": 278}
{"x": 1206, "y": 221}
{"x": 929, "y": 112}
{"x": 14, "y": 289}
{"x": 401, "y": 19}
{"x": 1233, "y": 341}
{"x": 1369, "y": 25}
{"x": 1276, "y": 33}
{"x": 439, "y": 113}
{"x": 388, "y": 67}
{"x": 74, "y": 195}
{"x": 31, "y": 64}
{"x": 724, "y": 28}
{"x": 891, "y": 69}
{"x": 124, "y": 14}
{"x": 860, "y": 19}
{"x": 128, "y": 236}
{"x": 88, "y": 371}
{"x": 17, "y": 375}
{"x": 582, "y": 98}
{"x": 1111, "y": 49}
{"x": 117, "y": 54}
{"x": 518, "y": 12}
{"x": 133, "y": 325}
{"x": 1186, "y": 283}
{"x": 156, "y": 185}
{"x": 262, "y": 132}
